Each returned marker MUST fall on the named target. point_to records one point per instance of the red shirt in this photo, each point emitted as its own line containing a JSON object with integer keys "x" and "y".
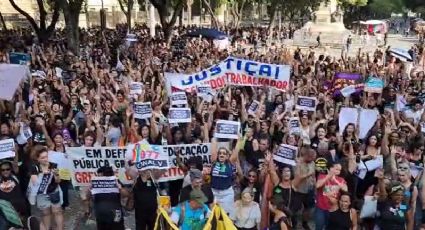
{"x": 330, "y": 187}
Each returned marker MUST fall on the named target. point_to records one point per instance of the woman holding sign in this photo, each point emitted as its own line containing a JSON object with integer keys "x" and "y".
{"x": 44, "y": 187}
{"x": 222, "y": 175}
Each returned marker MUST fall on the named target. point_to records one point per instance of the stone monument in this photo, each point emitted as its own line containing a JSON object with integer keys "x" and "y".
{"x": 328, "y": 22}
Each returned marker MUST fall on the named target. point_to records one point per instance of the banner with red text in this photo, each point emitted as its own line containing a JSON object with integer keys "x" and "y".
{"x": 85, "y": 161}
{"x": 232, "y": 71}
{"x": 203, "y": 151}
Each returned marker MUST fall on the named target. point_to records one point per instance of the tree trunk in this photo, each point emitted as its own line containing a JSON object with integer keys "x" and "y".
{"x": 3, "y": 23}
{"x": 128, "y": 15}
{"x": 271, "y": 21}
{"x": 214, "y": 20}
{"x": 72, "y": 33}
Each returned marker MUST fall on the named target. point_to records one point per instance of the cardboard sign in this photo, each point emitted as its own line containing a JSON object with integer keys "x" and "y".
{"x": 136, "y": 88}
{"x": 286, "y": 154}
{"x": 7, "y": 148}
{"x": 178, "y": 98}
{"x": 142, "y": 110}
{"x": 374, "y": 85}
{"x": 24, "y": 133}
{"x": 104, "y": 185}
{"x": 227, "y": 129}
{"x": 146, "y": 156}
{"x": 253, "y": 107}
{"x": 203, "y": 151}
{"x": 306, "y": 103}
{"x": 86, "y": 160}
{"x": 294, "y": 126}
{"x": 179, "y": 115}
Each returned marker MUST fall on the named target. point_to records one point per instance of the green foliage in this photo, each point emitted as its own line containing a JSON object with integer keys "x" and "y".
{"x": 386, "y": 6}
{"x": 354, "y": 2}
{"x": 415, "y": 5}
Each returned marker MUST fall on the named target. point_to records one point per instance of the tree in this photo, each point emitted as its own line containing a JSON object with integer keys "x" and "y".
{"x": 3, "y": 23}
{"x": 214, "y": 21}
{"x": 42, "y": 31}
{"x": 236, "y": 10}
{"x": 384, "y": 8}
{"x": 71, "y": 12}
{"x": 167, "y": 25}
{"x": 126, "y": 7}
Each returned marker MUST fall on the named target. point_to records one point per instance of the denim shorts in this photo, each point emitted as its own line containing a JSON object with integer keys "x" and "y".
{"x": 43, "y": 200}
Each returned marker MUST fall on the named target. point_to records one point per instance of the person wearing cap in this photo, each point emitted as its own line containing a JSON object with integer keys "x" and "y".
{"x": 393, "y": 213}
{"x": 196, "y": 182}
{"x": 192, "y": 214}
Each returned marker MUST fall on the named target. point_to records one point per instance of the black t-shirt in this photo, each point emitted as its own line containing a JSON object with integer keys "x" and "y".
{"x": 107, "y": 207}
{"x": 15, "y": 195}
{"x": 391, "y": 217}
{"x": 36, "y": 170}
{"x": 256, "y": 158}
{"x": 206, "y": 189}
{"x": 145, "y": 195}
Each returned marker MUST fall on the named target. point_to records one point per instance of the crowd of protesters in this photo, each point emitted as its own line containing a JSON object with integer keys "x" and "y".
{"x": 90, "y": 105}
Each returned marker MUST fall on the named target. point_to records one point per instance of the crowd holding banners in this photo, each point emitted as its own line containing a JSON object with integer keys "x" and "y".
{"x": 89, "y": 106}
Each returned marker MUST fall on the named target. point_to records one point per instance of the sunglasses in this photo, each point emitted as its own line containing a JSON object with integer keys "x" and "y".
{"x": 6, "y": 169}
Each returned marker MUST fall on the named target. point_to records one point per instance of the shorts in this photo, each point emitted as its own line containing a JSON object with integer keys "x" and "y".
{"x": 84, "y": 192}
{"x": 307, "y": 199}
{"x": 43, "y": 201}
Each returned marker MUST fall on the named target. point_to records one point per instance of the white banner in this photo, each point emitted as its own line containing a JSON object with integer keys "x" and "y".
{"x": 142, "y": 110}
{"x": 179, "y": 115}
{"x": 7, "y": 148}
{"x": 10, "y": 78}
{"x": 233, "y": 71}
{"x": 86, "y": 160}
{"x": 203, "y": 151}
{"x": 227, "y": 129}
{"x": 306, "y": 103}
{"x": 104, "y": 184}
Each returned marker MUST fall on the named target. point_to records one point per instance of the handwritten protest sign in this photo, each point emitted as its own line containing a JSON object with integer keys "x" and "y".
{"x": 86, "y": 160}
{"x": 286, "y": 154}
{"x": 7, "y": 148}
{"x": 179, "y": 115}
{"x": 104, "y": 185}
{"x": 142, "y": 110}
{"x": 306, "y": 103}
{"x": 203, "y": 151}
{"x": 227, "y": 129}
{"x": 233, "y": 71}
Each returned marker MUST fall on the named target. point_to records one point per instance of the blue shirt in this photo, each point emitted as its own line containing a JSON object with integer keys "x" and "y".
{"x": 193, "y": 219}
{"x": 222, "y": 175}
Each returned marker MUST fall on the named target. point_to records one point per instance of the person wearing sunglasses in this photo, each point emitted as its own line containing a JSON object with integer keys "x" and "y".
{"x": 223, "y": 172}
{"x": 10, "y": 190}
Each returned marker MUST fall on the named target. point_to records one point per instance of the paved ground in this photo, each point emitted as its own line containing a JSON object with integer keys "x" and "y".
{"x": 74, "y": 217}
